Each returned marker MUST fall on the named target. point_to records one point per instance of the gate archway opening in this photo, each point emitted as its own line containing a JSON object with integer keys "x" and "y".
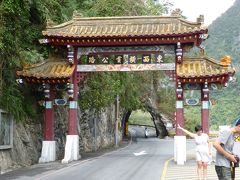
{"x": 192, "y": 109}
{"x": 142, "y": 120}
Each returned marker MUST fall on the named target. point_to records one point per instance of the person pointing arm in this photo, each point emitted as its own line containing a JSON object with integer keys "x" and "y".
{"x": 192, "y": 135}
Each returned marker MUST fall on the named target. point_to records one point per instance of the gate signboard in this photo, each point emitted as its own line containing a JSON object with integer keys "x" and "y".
{"x": 129, "y": 58}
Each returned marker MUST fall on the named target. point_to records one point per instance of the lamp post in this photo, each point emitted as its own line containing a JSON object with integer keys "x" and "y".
{"x": 116, "y": 120}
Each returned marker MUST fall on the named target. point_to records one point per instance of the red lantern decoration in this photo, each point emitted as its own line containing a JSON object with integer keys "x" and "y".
{"x": 70, "y": 54}
{"x": 179, "y": 53}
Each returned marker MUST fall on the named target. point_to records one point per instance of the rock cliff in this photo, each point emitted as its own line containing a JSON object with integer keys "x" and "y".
{"x": 96, "y": 131}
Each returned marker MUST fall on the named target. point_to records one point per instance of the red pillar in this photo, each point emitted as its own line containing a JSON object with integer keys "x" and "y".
{"x": 73, "y": 97}
{"x": 72, "y": 115}
{"x": 49, "y": 114}
{"x": 179, "y": 109}
{"x": 205, "y": 108}
{"x": 179, "y": 93}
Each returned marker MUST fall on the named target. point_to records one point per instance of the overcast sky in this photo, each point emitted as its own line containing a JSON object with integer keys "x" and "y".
{"x": 211, "y": 9}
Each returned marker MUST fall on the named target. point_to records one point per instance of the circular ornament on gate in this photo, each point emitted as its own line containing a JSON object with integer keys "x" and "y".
{"x": 192, "y": 102}
{"x": 60, "y": 102}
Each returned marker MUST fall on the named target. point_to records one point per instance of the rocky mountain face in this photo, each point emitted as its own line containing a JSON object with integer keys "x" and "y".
{"x": 96, "y": 131}
{"x": 159, "y": 119}
{"x": 26, "y": 147}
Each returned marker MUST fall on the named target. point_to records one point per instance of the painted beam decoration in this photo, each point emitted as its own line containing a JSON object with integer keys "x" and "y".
{"x": 140, "y": 58}
{"x": 125, "y": 67}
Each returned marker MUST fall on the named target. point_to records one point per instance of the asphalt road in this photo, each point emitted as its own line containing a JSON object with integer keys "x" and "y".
{"x": 142, "y": 159}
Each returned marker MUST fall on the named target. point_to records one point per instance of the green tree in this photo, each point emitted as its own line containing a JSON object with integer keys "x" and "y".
{"x": 103, "y": 88}
{"x": 22, "y": 23}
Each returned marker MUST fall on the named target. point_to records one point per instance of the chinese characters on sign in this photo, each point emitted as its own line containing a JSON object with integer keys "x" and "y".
{"x": 132, "y": 59}
{"x": 105, "y": 60}
{"x": 91, "y": 59}
{"x": 159, "y": 58}
{"x": 156, "y": 58}
{"x": 119, "y": 59}
{"x": 146, "y": 59}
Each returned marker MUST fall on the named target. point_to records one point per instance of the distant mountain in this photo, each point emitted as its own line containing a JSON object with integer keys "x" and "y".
{"x": 225, "y": 35}
{"x": 224, "y": 39}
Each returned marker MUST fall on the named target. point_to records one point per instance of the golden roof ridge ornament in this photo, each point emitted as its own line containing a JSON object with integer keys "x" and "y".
{"x": 177, "y": 12}
{"x": 200, "y": 19}
{"x": 77, "y": 14}
{"x": 50, "y": 23}
{"x": 226, "y": 60}
{"x": 202, "y": 52}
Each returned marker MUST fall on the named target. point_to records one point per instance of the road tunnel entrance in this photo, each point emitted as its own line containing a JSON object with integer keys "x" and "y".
{"x": 144, "y": 122}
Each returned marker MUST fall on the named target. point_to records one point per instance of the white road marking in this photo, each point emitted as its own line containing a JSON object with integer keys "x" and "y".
{"x": 140, "y": 153}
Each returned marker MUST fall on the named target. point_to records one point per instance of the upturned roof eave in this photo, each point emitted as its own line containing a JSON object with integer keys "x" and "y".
{"x": 228, "y": 70}
{"x": 125, "y": 36}
{"x": 35, "y": 71}
{"x": 63, "y": 30}
{"x": 78, "y": 20}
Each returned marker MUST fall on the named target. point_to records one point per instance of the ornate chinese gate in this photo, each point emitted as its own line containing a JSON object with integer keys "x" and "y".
{"x": 122, "y": 44}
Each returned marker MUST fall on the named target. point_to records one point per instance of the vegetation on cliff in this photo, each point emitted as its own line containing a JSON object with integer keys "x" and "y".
{"x": 21, "y": 25}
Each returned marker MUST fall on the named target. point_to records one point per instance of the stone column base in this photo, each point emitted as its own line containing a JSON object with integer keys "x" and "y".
{"x": 71, "y": 149}
{"x": 48, "y": 152}
{"x": 180, "y": 155}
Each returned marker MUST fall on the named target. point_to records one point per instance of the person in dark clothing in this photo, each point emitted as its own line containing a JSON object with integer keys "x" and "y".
{"x": 146, "y": 132}
{"x": 224, "y": 156}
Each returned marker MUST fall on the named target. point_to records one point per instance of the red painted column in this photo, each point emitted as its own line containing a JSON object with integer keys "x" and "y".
{"x": 73, "y": 97}
{"x": 49, "y": 114}
{"x": 205, "y": 108}
{"x": 179, "y": 109}
{"x": 72, "y": 115}
{"x": 179, "y": 92}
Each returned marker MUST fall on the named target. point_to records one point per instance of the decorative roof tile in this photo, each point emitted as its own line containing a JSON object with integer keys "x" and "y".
{"x": 191, "y": 67}
{"x": 48, "y": 70}
{"x": 124, "y": 26}
{"x": 194, "y": 67}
